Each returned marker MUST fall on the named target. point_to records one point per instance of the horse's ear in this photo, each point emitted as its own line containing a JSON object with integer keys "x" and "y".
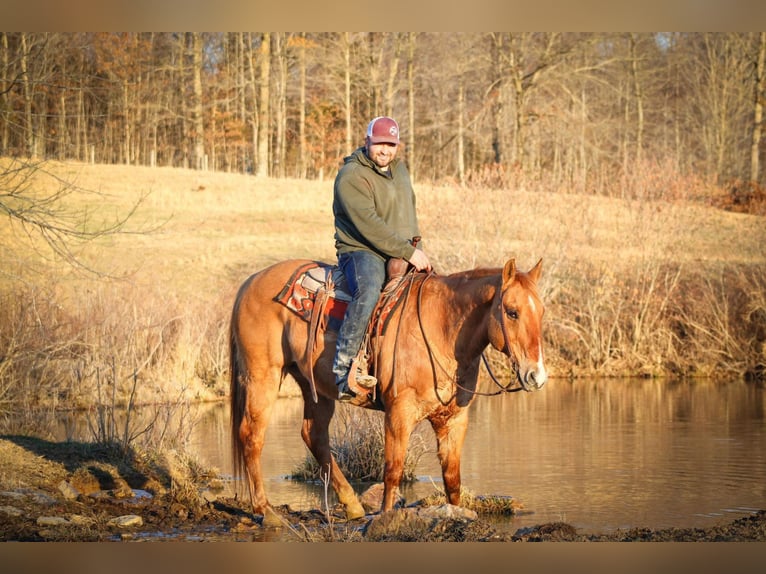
{"x": 536, "y": 271}
{"x": 509, "y": 271}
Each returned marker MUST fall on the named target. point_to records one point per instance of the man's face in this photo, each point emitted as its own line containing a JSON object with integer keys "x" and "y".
{"x": 382, "y": 154}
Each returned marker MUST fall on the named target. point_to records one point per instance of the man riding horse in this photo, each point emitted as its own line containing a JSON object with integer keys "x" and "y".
{"x": 375, "y": 220}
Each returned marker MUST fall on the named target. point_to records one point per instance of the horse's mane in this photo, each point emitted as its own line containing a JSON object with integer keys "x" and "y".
{"x": 477, "y": 273}
{"x": 486, "y": 272}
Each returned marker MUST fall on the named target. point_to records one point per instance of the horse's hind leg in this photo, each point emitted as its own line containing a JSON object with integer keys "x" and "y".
{"x": 262, "y": 390}
{"x": 315, "y": 433}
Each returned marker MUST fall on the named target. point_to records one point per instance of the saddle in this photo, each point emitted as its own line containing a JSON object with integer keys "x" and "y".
{"x": 318, "y": 293}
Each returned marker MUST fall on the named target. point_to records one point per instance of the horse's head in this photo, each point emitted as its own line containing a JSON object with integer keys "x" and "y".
{"x": 515, "y": 326}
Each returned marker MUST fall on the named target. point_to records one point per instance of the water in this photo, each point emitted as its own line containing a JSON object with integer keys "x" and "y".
{"x": 600, "y": 455}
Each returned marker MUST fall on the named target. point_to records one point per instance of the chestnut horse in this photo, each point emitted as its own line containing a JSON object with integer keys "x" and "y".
{"x": 428, "y": 370}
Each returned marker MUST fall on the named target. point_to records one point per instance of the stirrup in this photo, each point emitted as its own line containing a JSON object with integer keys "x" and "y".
{"x": 365, "y": 381}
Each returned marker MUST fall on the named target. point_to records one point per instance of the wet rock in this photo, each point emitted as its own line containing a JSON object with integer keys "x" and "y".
{"x": 52, "y": 521}
{"x": 551, "y": 531}
{"x": 447, "y": 512}
{"x": 12, "y": 494}
{"x": 41, "y": 498}
{"x": 127, "y": 521}
{"x": 10, "y": 511}
{"x": 122, "y": 491}
{"x": 208, "y": 495}
{"x": 69, "y": 491}
{"x": 80, "y": 520}
{"x": 410, "y": 523}
{"x": 372, "y": 498}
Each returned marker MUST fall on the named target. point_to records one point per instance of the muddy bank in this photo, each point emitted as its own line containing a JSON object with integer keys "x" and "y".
{"x": 83, "y": 492}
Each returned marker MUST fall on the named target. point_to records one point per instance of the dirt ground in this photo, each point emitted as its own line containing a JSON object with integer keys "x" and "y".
{"x": 70, "y": 492}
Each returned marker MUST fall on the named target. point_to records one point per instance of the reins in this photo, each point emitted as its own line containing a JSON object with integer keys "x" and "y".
{"x": 434, "y": 361}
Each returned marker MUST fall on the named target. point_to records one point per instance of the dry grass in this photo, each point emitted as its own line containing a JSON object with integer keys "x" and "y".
{"x": 618, "y": 278}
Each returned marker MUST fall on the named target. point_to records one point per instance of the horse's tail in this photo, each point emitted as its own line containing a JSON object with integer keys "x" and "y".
{"x": 238, "y": 377}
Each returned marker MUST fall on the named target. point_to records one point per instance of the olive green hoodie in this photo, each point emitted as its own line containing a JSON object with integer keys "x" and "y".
{"x": 373, "y": 209}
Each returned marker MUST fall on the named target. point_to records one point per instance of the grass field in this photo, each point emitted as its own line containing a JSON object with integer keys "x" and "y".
{"x": 631, "y": 287}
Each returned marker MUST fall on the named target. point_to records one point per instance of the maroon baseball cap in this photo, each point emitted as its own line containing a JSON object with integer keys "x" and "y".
{"x": 383, "y": 130}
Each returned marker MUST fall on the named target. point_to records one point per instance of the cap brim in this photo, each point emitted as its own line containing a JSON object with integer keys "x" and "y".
{"x": 380, "y": 140}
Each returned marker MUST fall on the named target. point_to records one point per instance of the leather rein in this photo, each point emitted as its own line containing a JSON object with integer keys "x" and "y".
{"x": 434, "y": 362}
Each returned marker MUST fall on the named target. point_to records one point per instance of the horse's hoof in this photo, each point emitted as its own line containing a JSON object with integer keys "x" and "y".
{"x": 272, "y": 520}
{"x": 354, "y": 511}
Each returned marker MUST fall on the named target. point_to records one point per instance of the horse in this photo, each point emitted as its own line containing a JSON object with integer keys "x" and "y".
{"x": 428, "y": 370}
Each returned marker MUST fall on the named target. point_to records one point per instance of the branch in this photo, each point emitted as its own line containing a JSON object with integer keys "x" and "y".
{"x": 45, "y": 214}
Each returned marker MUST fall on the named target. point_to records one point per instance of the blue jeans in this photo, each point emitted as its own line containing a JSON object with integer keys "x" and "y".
{"x": 365, "y": 273}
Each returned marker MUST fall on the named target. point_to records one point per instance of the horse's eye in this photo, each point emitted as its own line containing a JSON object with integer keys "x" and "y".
{"x": 512, "y": 314}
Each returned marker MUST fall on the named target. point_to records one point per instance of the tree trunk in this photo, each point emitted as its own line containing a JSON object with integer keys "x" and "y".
{"x": 638, "y": 95}
{"x": 29, "y": 129}
{"x": 412, "y": 164}
{"x": 393, "y": 71}
{"x": 347, "y": 87}
{"x": 4, "y": 105}
{"x": 198, "y": 119}
{"x": 496, "y": 105}
{"x": 263, "y": 108}
{"x": 760, "y": 82}
{"x": 461, "y": 132}
{"x": 253, "y": 95}
{"x": 280, "y": 48}
{"x": 302, "y": 152}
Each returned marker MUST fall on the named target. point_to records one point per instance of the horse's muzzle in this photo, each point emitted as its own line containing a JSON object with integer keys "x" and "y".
{"x": 533, "y": 379}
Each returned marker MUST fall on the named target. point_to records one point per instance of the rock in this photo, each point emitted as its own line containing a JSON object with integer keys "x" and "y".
{"x": 51, "y": 521}
{"x": 69, "y": 491}
{"x": 122, "y": 491}
{"x": 39, "y": 497}
{"x": 208, "y": 495}
{"x": 372, "y": 498}
{"x": 140, "y": 494}
{"x": 10, "y": 511}
{"x": 100, "y": 495}
{"x": 12, "y": 494}
{"x": 413, "y": 520}
{"x": 80, "y": 520}
{"x": 127, "y": 521}
{"x": 447, "y": 512}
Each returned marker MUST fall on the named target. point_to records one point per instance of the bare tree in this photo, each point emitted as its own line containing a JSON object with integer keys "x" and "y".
{"x": 198, "y": 124}
{"x": 759, "y": 96}
{"x": 264, "y": 60}
{"x": 47, "y": 215}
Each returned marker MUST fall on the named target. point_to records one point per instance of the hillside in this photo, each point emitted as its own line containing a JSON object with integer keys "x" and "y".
{"x": 630, "y": 287}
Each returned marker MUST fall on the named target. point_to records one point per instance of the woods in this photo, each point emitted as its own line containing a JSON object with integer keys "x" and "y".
{"x": 164, "y": 166}
{"x": 581, "y": 112}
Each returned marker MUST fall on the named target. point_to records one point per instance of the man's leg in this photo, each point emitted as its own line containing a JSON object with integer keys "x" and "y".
{"x": 365, "y": 273}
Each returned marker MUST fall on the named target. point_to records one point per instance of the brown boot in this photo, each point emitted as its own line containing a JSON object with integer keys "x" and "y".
{"x": 345, "y": 394}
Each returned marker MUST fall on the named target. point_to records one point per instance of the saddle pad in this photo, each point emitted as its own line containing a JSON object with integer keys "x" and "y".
{"x": 299, "y": 294}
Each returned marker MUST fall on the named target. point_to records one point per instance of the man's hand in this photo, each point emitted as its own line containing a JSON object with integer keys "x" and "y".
{"x": 419, "y": 260}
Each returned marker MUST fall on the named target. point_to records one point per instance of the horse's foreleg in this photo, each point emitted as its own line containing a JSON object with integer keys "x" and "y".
{"x": 316, "y": 435}
{"x": 397, "y": 436}
{"x": 450, "y": 434}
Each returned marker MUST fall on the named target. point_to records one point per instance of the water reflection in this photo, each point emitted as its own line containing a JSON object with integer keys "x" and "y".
{"x": 600, "y": 455}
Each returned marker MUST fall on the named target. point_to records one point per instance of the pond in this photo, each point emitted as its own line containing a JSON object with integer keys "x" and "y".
{"x": 600, "y": 455}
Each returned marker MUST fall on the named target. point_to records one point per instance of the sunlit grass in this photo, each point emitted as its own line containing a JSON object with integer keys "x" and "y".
{"x": 617, "y": 276}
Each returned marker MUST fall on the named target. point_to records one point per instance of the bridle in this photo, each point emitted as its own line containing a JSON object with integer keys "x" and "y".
{"x": 434, "y": 361}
